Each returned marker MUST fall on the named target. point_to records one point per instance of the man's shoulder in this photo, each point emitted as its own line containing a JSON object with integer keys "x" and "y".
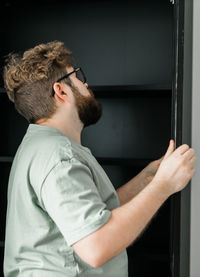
{"x": 42, "y": 148}
{"x": 47, "y": 146}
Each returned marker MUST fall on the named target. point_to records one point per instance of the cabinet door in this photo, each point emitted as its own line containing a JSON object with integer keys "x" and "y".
{"x": 181, "y": 132}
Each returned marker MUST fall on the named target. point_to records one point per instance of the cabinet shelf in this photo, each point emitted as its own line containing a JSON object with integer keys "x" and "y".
{"x": 6, "y": 159}
{"x": 127, "y": 90}
{"x": 152, "y": 90}
{"x": 124, "y": 161}
{"x": 2, "y": 243}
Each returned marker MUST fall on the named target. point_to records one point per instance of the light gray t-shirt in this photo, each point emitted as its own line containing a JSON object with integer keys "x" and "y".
{"x": 57, "y": 194}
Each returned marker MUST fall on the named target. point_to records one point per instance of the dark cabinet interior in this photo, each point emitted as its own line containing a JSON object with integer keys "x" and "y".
{"x": 125, "y": 49}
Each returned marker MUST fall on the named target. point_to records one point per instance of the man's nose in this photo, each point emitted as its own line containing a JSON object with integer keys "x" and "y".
{"x": 86, "y": 84}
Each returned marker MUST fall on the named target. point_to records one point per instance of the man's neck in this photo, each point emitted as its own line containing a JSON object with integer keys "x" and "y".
{"x": 73, "y": 131}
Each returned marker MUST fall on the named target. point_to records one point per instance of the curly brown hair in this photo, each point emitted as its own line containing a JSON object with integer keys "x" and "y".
{"x": 29, "y": 78}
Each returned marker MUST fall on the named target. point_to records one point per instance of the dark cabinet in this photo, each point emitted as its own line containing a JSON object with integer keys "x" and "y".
{"x": 137, "y": 62}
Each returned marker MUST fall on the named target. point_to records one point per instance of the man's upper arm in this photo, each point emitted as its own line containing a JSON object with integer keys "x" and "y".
{"x": 71, "y": 199}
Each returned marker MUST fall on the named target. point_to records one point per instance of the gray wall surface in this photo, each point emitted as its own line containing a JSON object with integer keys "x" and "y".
{"x": 195, "y": 185}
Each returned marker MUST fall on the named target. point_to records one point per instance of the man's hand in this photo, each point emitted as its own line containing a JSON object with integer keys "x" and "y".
{"x": 150, "y": 170}
{"x": 176, "y": 168}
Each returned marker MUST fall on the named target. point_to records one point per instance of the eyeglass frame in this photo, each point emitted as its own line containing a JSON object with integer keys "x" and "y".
{"x": 67, "y": 75}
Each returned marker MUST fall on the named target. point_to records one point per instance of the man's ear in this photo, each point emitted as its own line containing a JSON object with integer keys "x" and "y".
{"x": 61, "y": 93}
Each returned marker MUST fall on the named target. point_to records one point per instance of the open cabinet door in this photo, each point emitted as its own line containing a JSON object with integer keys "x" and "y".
{"x": 181, "y": 132}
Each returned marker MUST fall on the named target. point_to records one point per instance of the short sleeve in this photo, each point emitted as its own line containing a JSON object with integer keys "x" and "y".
{"x": 71, "y": 199}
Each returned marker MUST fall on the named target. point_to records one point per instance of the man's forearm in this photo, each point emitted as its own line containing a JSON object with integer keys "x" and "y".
{"x": 130, "y": 189}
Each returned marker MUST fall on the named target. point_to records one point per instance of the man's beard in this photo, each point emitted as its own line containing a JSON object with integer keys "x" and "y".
{"x": 89, "y": 109}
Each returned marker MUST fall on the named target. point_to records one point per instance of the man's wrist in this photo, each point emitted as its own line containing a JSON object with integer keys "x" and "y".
{"x": 143, "y": 178}
{"x": 161, "y": 188}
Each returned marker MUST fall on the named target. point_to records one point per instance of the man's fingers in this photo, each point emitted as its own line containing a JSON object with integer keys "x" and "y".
{"x": 170, "y": 149}
{"x": 189, "y": 153}
{"x": 193, "y": 161}
{"x": 182, "y": 149}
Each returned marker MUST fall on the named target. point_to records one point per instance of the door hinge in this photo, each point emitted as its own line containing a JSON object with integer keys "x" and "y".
{"x": 172, "y": 1}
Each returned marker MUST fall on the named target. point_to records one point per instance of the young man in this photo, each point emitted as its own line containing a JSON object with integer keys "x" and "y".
{"x": 64, "y": 217}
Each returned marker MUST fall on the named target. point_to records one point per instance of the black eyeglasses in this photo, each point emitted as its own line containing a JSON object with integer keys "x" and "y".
{"x": 79, "y": 75}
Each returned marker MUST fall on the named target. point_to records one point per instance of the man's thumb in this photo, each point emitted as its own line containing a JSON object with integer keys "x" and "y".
{"x": 170, "y": 149}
